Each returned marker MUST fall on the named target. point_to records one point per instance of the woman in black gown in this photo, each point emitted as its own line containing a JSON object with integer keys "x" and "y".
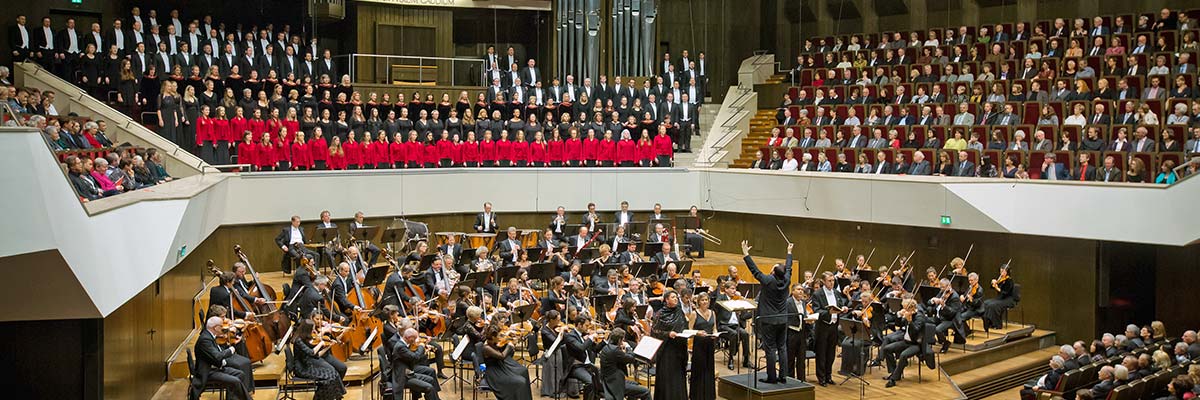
{"x": 993, "y": 309}
{"x": 670, "y": 378}
{"x": 507, "y": 378}
{"x": 310, "y": 365}
{"x": 703, "y": 381}
{"x": 90, "y": 66}
{"x": 169, "y": 113}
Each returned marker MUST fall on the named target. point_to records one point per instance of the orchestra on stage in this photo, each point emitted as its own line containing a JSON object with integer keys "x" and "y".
{"x": 599, "y": 306}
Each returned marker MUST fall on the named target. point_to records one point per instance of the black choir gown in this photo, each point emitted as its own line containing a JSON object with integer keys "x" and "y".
{"x": 703, "y": 381}
{"x": 671, "y": 367}
{"x": 993, "y": 309}
{"x": 507, "y": 378}
{"x": 311, "y": 366}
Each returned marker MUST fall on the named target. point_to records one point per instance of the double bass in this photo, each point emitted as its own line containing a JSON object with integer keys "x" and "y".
{"x": 274, "y": 321}
{"x": 258, "y": 342}
{"x": 363, "y": 325}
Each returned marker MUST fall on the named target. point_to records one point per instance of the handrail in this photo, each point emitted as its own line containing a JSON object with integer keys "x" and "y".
{"x": 352, "y": 64}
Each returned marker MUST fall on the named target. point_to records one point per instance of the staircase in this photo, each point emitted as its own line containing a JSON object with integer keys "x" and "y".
{"x": 1001, "y": 368}
{"x": 708, "y": 114}
{"x": 760, "y": 132}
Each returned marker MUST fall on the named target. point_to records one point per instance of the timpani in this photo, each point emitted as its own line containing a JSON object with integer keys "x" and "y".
{"x": 529, "y": 237}
{"x": 474, "y": 240}
{"x": 444, "y": 237}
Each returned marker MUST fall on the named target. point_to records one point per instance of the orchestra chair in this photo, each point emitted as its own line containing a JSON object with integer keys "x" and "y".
{"x": 480, "y": 384}
{"x": 209, "y": 386}
{"x": 293, "y": 384}
{"x": 385, "y": 372}
{"x": 927, "y": 340}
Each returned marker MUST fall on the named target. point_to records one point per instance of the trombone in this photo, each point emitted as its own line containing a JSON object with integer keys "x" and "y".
{"x": 708, "y": 236}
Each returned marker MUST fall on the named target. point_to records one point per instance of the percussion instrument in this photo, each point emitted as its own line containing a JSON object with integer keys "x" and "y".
{"x": 474, "y": 240}
{"x": 530, "y": 237}
{"x": 443, "y": 237}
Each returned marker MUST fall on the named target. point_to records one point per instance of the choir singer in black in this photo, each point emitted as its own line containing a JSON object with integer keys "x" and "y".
{"x": 772, "y": 310}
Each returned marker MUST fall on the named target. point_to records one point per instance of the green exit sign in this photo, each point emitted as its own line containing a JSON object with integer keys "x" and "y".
{"x": 76, "y": 1}
{"x": 945, "y": 220}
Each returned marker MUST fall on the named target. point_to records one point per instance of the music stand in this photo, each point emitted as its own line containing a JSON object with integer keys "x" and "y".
{"x": 392, "y": 235}
{"x": 426, "y": 262}
{"x": 924, "y": 293}
{"x": 586, "y": 253}
{"x": 543, "y": 271}
{"x": 479, "y": 277}
{"x": 894, "y": 304}
{"x": 326, "y": 234}
{"x": 960, "y": 284}
{"x": 687, "y": 222}
{"x": 376, "y": 275}
{"x": 868, "y": 276}
{"x": 506, "y": 273}
{"x": 466, "y": 256}
{"x": 365, "y": 232}
{"x": 842, "y": 282}
{"x": 749, "y": 290}
{"x": 587, "y": 269}
{"x": 644, "y": 269}
{"x": 602, "y": 304}
{"x": 652, "y": 249}
{"x": 683, "y": 267}
{"x": 858, "y": 334}
{"x": 522, "y": 314}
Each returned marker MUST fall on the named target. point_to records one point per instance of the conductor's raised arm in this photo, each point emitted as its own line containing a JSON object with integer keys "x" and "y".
{"x": 750, "y": 261}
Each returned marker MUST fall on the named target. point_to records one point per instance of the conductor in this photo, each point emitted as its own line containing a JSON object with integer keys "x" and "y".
{"x": 772, "y": 309}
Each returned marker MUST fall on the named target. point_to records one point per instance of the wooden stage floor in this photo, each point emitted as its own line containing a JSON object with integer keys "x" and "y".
{"x": 932, "y": 384}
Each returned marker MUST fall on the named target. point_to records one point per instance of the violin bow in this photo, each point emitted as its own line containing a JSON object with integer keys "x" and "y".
{"x": 868, "y": 260}
{"x": 968, "y": 256}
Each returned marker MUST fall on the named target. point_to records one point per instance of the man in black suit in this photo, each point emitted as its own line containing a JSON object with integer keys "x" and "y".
{"x": 919, "y": 165}
{"x": 944, "y": 312}
{"x": 485, "y": 222}
{"x": 343, "y": 284}
{"x": 1106, "y": 384}
{"x": 689, "y": 117}
{"x": 509, "y": 247}
{"x": 733, "y": 325}
{"x": 185, "y": 59}
{"x": 579, "y": 349}
{"x": 291, "y": 241}
{"x": 614, "y": 361}
{"x": 325, "y": 66}
{"x": 912, "y": 323}
{"x": 224, "y": 295}
{"x": 828, "y": 303}
{"x": 797, "y": 331}
{"x": 213, "y": 364}
{"x": 531, "y": 74}
{"x": 771, "y": 318}
{"x": 20, "y": 39}
{"x": 965, "y": 167}
{"x": 371, "y": 250}
{"x": 267, "y": 62}
{"x": 288, "y": 63}
{"x": 404, "y": 359}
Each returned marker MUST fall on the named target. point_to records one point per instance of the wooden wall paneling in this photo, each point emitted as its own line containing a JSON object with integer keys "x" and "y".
{"x": 371, "y": 17}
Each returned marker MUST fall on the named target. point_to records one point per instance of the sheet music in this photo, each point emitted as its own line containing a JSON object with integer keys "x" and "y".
{"x": 553, "y": 346}
{"x": 460, "y": 348}
{"x": 687, "y": 333}
{"x": 738, "y": 305}
{"x": 647, "y": 347}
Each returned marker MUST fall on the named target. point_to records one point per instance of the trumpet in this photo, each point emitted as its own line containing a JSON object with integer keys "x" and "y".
{"x": 708, "y": 236}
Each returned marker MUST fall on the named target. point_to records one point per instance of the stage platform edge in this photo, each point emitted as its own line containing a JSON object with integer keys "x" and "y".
{"x": 740, "y": 387}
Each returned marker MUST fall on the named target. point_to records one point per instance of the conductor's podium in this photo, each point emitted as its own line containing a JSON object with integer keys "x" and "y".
{"x": 747, "y": 387}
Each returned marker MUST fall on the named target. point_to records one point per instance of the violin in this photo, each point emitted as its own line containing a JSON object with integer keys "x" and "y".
{"x": 231, "y": 331}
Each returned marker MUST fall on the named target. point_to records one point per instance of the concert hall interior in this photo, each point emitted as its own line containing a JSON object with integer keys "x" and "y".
{"x": 600, "y": 199}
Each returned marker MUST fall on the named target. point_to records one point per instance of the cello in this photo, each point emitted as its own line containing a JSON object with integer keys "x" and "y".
{"x": 258, "y": 343}
{"x": 275, "y": 323}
